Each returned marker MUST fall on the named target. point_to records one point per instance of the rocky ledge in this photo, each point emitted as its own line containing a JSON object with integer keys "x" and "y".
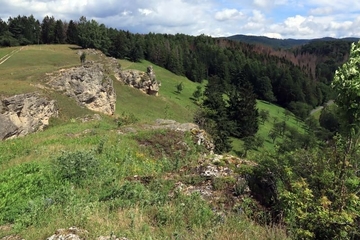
{"x": 90, "y": 85}
{"x": 25, "y": 113}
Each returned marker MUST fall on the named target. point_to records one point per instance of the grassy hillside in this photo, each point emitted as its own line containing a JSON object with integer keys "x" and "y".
{"x": 107, "y": 178}
{"x": 276, "y": 114}
{"x": 36, "y": 199}
{"x": 29, "y": 65}
{"x": 169, "y": 104}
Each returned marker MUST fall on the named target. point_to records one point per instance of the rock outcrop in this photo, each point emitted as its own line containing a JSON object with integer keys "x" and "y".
{"x": 90, "y": 85}
{"x": 25, "y": 113}
{"x": 144, "y": 81}
{"x": 74, "y": 233}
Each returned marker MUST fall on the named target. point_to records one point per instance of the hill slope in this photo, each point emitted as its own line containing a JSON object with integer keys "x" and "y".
{"x": 120, "y": 174}
{"x": 282, "y": 43}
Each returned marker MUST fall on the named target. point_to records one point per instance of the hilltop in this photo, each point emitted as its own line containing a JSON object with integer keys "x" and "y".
{"x": 284, "y": 43}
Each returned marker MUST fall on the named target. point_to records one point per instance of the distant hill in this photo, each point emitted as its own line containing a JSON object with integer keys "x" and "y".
{"x": 282, "y": 43}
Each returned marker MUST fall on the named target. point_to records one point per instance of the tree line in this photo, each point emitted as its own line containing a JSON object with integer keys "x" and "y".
{"x": 237, "y": 73}
{"x": 273, "y": 78}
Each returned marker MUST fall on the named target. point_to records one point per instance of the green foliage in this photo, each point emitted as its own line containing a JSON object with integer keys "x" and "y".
{"x": 214, "y": 117}
{"x": 83, "y": 57}
{"x": 263, "y": 89}
{"x": 264, "y": 115}
{"x": 76, "y": 167}
{"x": 197, "y": 94}
{"x": 347, "y": 86}
{"x": 91, "y": 34}
{"x": 179, "y": 87}
{"x": 243, "y": 112}
{"x": 312, "y": 124}
{"x": 223, "y": 183}
{"x": 273, "y": 134}
{"x": 300, "y": 109}
{"x": 19, "y": 191}
{"x": 174, "y": 147}
{"x": 252, "y": 143}
{"x": 330, "y": 119}
{"x": 126, "y": 118}
{"x": 314, "y": 190}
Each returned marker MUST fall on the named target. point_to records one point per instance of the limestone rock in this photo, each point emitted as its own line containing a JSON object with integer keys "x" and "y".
{"x": 72, "y": 233}
{"x": 89, "y": 85}
{"x": 25, "y": 113}
{"x": 146, "y": 82}
{"x": 7, "y": 127}
{"x": 12, "y": 237}
{"x": 113, "y": 237}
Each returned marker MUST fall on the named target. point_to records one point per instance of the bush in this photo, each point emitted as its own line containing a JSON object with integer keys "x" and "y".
{"x": 125, "y": 119}
{"x": 76, "y": 167}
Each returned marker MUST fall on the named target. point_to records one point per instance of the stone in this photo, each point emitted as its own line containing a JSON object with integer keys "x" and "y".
{"x": 203, "y": 139}
{"x": 145, "y": 82}
{"x": 113, "y": 237}
{"x": 12, "y": 237}
{"x": 89, "y": 85}
{"x": 25, "y": 113}
{"x": 72, "y": 233}
{"x": 7, "y": 127}
{"x": 209, "y": 171}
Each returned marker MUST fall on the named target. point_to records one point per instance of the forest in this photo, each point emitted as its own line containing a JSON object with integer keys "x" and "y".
{"x": 311, "y": 181}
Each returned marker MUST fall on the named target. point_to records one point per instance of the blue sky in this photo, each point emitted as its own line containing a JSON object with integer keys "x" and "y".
{"x": 276, "y": 18}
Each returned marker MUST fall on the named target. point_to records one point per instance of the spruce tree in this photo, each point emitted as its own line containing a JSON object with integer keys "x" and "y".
{"x": 217, "y": 120}
{"x": 243, "y": 112}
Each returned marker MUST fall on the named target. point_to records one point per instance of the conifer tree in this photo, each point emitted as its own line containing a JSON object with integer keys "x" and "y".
{"x": 217, "y": 121}
{"x": 242, "y": 112}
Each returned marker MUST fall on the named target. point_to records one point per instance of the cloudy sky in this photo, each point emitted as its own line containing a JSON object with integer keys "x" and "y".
{"x": 272, "y": 18}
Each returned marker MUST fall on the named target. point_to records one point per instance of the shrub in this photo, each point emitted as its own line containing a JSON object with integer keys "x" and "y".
{"x": 83, "y": 58}
{"x": 76, "y": 167}
{"x": 125, "y": 119}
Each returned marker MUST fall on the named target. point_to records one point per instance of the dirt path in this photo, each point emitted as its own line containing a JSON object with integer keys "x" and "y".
{"x": 9, "y": 55}
{"x": 321, "y": 107}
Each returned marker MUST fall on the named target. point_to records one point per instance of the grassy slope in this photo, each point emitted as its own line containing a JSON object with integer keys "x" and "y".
{"x": 30, "y": 64}
{"x": 276, "y": 114}
{"x": 168, "y": 104}
{"x": 120, "y": 152}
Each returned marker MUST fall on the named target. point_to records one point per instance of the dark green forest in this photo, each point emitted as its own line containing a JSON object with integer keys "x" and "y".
{"x": 310, "y": 182}
{"x": 287, "y": 78}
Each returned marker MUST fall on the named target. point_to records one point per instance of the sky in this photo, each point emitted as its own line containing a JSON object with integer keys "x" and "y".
{"x": 299, "y": 19}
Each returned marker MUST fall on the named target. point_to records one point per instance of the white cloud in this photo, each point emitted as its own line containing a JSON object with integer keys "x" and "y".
{"x": 257, "y": 17}
{"x": 263, "y": 3}
{"x": 144, "y": 11}
{"x": 273, "y": 18}
{"x": 321, "y": 11}
{"x": 273, "y": 35}
{"x": 228, "y": 14}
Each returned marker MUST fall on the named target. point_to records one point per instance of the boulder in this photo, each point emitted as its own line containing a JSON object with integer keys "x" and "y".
{"x": 89, "y": 85}
{"x": 144, "y": 81}
{"x": 25, "y": 113}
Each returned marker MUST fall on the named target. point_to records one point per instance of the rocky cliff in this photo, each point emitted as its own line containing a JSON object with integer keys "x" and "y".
{"x": 90, "y": 85}
{"x": 23, "y": 114}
